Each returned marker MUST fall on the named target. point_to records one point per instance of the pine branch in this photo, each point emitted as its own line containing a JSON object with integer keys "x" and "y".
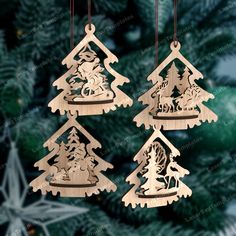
{"x": 17, "y": 81}
{"x": 36, "y": 21}
{"x": 146, "y": 13}
{"x": 111, "y": 203}
{"x": 200, "y": 211}
{"x": 162, "y": 229}
{"x": 2, "y": 44}
{"x": 30, "y": 141}
{"x": 111, "y": 6}
{"x": 219, "y": 136}
{"x": 95, "y": 222}
{"x": 215, "y": 178}
{"x": 223, "y": 80}
{"x": 229, "y": 228}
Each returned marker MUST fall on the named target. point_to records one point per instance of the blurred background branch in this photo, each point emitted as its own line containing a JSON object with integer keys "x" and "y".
{"x": 35, "y": 37}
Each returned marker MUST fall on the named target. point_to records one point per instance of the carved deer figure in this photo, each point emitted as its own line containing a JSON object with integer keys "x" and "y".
{"x": 174, "y": 171}
{"x": 157, "y": 94}
{"x": 161, "y": 85}
{"x": 166, "y": 104}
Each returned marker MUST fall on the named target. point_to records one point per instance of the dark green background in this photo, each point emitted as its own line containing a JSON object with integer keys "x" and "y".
{"x": 34, "y": 38}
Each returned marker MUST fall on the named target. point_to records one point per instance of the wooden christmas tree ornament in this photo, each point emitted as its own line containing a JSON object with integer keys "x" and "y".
{"x": 175, "y": 101}
{"x": 156, "y": 180}
{"x": 72, "y": 168}
{"x": 86, "y": 89}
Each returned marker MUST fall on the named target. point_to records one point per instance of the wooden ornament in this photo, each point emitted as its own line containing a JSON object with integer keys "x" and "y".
{"x": 156, "y": 180}
{"x": 72, "y": 168}
{"x": 175, "y": 102}
{"x": 85, "y": 87}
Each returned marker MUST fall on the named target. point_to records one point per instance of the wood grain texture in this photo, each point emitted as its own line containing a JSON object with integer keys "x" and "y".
{"x": 175, "y": 102}
{"x": 85, "y": 87}
{"x": 157, "y": 165}
{"x": 74, "y": 169}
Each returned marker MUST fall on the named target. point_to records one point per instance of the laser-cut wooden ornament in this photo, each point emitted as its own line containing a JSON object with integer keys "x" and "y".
{"x": 86, "y": 88}
{"x": 175, "y": 101}
{"x": 72, "y": 168}
{"x": 160, "y": 174}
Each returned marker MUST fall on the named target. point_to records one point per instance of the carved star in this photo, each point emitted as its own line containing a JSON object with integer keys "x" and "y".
{"x": 13, "y": 211}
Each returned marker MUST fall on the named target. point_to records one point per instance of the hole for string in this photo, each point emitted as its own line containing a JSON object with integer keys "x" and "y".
{"x": 90, "y": 28}
{"x": 175, "y": 45}
{"x": 176, "y": 42}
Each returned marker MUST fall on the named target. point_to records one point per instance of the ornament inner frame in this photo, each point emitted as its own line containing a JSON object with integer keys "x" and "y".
{"x": 72, "y": 168}
{"x": 175, "y": 102}
{"x": 157, "y": 179}
{"x": 86, "y": 89}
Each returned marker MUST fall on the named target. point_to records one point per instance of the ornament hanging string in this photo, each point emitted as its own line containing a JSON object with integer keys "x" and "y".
{"x": 175, "y": 39}
{"x": 89, "y": 14}
{"x": 72, "y": 16}
{"x": 156, "y": 31}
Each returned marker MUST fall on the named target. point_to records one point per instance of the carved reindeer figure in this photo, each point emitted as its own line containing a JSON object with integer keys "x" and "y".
{"x": 166, "y": 104}
{"x": 157, "y": 94}
{"x": 174, "y": 171}
{"x": 161, "y": 85}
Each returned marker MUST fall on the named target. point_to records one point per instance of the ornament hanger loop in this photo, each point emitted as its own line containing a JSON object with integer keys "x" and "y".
{"x": 90, "y": 28}
{"x": 175, "y": 46}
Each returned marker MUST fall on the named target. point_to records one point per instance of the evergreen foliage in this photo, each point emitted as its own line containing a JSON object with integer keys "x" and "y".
{"x": 32, "y": 46}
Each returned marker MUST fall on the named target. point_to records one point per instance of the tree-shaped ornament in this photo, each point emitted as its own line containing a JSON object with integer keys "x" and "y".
{"x": 85, "y": 87}
{"x": 156, "y": 181}
{"x": 72, "y": 168}
{"x": 175, "y": 101}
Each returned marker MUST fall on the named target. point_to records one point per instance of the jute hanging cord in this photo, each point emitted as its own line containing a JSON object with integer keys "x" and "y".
{"x": 156, "y": 32}
{"x": 175, "y": 39}
{"x": 89, "y": 14}
{"x": 72, "y": 14}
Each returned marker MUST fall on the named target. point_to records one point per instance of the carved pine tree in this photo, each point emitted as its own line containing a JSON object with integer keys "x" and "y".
{"x": 184, "y": 82}
{"x": 80, "y": 175}
{"x": 175, "y": 102}
{"x": 74, "y": 145}
{"x": 172, "y": 78}
{"x": 159, "y": 168}
{"x": 85, "y": 90}
{"x": 152, "y": 170}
